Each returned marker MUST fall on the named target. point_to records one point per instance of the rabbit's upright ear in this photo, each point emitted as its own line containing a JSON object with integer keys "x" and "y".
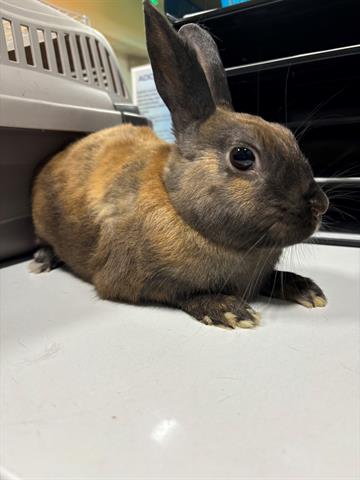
{"x": 179, "y": 78}
{"x": 209, "y": 58}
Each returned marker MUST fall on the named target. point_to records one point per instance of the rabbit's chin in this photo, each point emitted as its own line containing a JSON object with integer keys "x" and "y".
{"x": 287, "y": 234}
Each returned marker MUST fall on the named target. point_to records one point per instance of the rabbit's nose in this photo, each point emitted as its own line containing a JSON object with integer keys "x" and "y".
{"x": 319, "y": 202}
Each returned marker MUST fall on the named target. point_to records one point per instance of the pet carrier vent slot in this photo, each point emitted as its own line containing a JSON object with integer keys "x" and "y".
{"x": 123, "y": 89}
{"x": 55, "y": 40}
{"x": 111, "y": 71}
{"x": 92, "y": 62}
{"x": 9, "y": 36}
{"x": 70, "y": 55}
{"x": 102, "y": 68}
{"x": 25, "y": 33}
{"x": 43, "y": 50}
{"x": 82, "y": 60}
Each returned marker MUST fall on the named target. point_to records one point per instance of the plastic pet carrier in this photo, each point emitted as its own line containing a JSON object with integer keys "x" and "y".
{"x": 59, "y": 80}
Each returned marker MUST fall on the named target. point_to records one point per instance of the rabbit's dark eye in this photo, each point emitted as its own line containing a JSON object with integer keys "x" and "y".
{"x": 242, "y": 158}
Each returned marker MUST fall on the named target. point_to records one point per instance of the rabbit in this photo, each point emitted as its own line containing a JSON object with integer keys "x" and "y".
{"x": 199, "y": 224}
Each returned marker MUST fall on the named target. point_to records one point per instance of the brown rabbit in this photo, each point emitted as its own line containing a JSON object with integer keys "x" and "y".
{"x": 200, "y": 224}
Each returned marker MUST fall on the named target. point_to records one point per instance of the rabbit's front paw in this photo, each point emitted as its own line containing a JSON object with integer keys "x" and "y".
{"x": 308, "y": 294}
{"x": 294, "y": 288}
{"x": 221, "y": 310}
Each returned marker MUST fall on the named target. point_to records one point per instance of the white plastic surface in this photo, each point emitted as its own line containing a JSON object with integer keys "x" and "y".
{"x": 93, "y": 389}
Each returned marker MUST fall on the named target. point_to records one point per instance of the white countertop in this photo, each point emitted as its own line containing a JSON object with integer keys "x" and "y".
{"x": 92, "y": 389}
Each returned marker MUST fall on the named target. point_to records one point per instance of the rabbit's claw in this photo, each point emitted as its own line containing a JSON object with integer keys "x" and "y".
{"x": 221, "y": 310}
{"x": 305, "y": 292}
{"x": 311, "y": 297}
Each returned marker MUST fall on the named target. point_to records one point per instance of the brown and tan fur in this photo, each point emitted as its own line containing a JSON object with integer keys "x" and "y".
{"x": 146, "y": 221}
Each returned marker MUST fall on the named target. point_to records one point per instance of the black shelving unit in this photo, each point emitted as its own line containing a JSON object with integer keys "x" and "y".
{"x": 297, "y": 62}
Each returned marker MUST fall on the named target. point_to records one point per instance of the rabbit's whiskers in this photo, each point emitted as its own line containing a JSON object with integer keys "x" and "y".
{"x": 305, "y": 125}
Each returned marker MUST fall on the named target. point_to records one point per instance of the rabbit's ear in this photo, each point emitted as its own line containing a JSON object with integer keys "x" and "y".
{"x": 208, "y": 55}
{"x": 178, "y": 76}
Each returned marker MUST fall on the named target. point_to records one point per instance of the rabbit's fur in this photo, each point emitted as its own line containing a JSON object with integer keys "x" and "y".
{"x": 144, "y": 220}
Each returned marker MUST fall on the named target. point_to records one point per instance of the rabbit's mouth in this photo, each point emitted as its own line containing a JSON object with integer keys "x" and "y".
{"x": 295, "y": 227}
{"x": 294, "y": 224}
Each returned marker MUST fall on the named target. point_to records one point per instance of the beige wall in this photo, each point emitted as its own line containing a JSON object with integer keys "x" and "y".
{"x": 121, "y": 21}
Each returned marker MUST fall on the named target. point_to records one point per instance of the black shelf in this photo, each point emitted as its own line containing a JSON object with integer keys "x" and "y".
{"x": 257, "y": 31}
{"x": 293, "y": 60}
{"x": 326, "y": 90}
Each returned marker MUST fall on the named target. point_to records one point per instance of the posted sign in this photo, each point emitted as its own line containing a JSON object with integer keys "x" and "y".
{"x": 150, "y": 104}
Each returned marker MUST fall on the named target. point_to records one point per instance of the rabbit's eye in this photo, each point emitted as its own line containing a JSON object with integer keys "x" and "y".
{"x": 242, "y": 158}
